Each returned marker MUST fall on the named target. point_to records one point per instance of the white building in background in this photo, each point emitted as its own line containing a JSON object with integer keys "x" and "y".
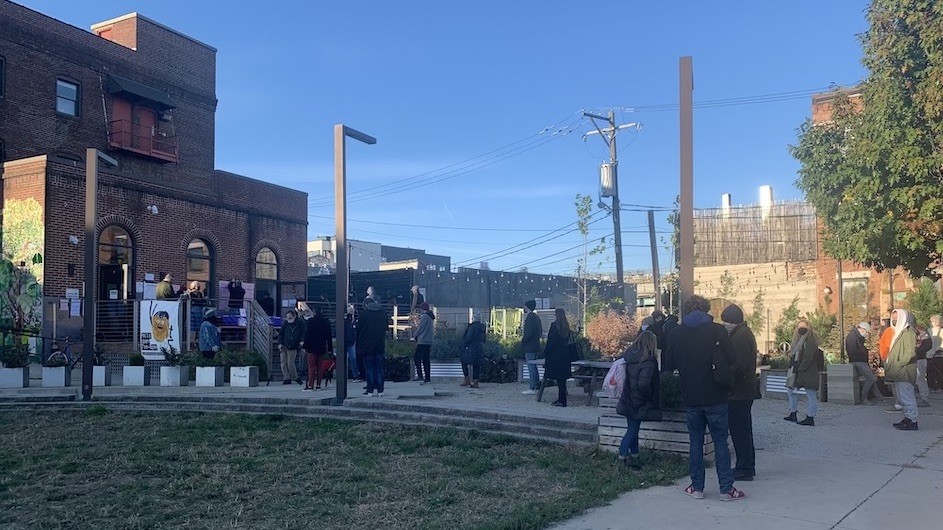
{"x": 364, "y": 256}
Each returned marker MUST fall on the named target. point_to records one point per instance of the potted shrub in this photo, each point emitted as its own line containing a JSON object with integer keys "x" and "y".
{"x": 773, "y": 379}
{"x": 57, "y": 372}
{"x": 136, "y": 373}
{"x": 101, "y": 372}
{"x": 173, "y": 374}
{"x": 15, "y": 371}
{"x": 206, "y": 372}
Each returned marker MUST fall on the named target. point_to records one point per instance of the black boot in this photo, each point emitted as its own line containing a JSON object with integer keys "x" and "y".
{"x": 634, "y": 463}
{"x": 791, "y": 417}
{"x": 809, "y": 420}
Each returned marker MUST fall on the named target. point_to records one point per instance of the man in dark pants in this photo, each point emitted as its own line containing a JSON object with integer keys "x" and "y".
{"x": 861, "y": 362}
{"x": 739, "y": 408}
{"x": 700, "y": 350}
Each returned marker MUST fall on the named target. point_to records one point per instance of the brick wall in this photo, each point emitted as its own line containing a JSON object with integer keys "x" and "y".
{"x": 39, "y": 49}
{"x": 234, "y": 234}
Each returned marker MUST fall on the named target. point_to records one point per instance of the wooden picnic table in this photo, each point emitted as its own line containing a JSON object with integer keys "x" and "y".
{"x": 592, "y": 371}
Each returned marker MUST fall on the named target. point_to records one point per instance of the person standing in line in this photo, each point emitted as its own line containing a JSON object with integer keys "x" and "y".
{"x": 740, "y": 406}
{"x": 557, "y": 355}
{"x": 165, "y": 288}
{"x": 935, "y": 355}
{"x": 473, "y": 351}
{"x": 640, "y": 399}
{"x": 700, "y": 350}
{"x": 807, "y": 365}
{"x": 884, "y": 347}
{"x": 289, "y": 342}
{"x": 317, "y": 343}
{"x": 425, "y": 333}
{"x": 901, "y": 368}
{"x": 371, "y": 344}
{"x": 859, "y": 358}
{"x": 237, "y": 294}
{"x": 350, "y": 339}
{"x": 530, "y": 342}
{"x": 210, "y": 341}
{"x": 924, "y": 344}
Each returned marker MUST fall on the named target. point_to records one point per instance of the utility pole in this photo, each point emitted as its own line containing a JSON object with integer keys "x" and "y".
{"x": 655, "y": 272}
{"x": 686, "y": 141}
{"x": 609, "y": 136}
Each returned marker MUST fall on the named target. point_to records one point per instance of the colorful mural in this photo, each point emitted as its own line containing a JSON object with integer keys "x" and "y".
{"x": 21, "y": 269}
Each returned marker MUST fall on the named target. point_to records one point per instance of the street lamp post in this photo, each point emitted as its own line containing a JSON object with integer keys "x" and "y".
{"x": 92, "y": 156}
{"x": 341, "y": 132}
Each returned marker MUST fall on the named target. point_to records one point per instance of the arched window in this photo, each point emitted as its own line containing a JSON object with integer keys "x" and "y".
{"x": 266, "y": 280}
{"x": 200, "y": 265}
{"x": 266, "y": 265}
{"x": 115, "y": 260}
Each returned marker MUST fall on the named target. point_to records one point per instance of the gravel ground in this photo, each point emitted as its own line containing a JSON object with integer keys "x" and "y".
{"x": 842, "y": 432}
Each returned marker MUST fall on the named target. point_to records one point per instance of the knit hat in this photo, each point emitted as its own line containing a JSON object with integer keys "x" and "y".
{"x": 531, "y": 304}
{"x": 865, "y": 326}
{"x": 424, "y": 306}
{"x": 732, "y": 315}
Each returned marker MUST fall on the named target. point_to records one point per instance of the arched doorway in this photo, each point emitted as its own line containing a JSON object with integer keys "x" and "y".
{"x": 266, "y": 280}
{"x": 201, "y": 266}
{"x": 115, "y": 284}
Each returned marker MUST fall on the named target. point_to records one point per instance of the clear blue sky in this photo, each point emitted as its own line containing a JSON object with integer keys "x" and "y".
{"x": 439, "y": 83}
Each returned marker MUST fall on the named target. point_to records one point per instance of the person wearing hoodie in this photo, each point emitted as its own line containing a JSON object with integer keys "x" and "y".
{"x": 859, "y": 358}
{"x": 473, "y": 351}
{"x": 317, "y": 343}
{"x": 289, "y": 342}
{"x": 425, "y": 333}
{"x": 901, "y": 367}
{"x": 740, "y": 406}
{"x": 210, "y": 342}
{"x": 807, "y": 365}
{"x": 371, "y": 344}
{"x": 700, "y": 350}
{"x": 640, "y": 399}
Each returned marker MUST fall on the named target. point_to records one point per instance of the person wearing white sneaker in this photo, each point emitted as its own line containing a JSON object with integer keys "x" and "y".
{"x": 901, "y": 367}
{"x": 530, "y": 341}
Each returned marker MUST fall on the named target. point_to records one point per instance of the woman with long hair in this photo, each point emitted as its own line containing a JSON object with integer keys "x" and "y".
{"x": 640, "y": 400}
{"x": 557, "y": 355}
{"x": 807, "y": 363}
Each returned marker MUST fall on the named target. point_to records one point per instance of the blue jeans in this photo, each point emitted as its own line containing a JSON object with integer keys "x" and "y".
{"x": 532, "y": 371}
{"x": 352, "y": 361}
{"x": 715, "y": 418}
{"x": 629, "y": 445}
{"x": 812, "y": 396}
{"x": 374, "y": 366}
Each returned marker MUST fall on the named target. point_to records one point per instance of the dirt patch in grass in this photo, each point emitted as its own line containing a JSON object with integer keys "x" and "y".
{"x": 159, "y": 470}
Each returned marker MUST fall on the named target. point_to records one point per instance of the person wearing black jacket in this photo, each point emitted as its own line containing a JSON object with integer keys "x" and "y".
{"x": 557, "y": 355}
{"x": 318, "y": 342}
{"x": 640, "y": 399}
{"x": 530, "y": 341}
{"x": 859, "y": 358}
{"x": 740, "y": 406}
{"x": 473, "y": 351}
{"x": 371, "y": 343}
{"x": 700, "y": 350}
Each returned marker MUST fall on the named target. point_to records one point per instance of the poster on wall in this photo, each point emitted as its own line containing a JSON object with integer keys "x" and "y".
{"x": 159, "y": 327}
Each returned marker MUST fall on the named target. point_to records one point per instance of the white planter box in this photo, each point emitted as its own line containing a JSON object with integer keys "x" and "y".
{"x": 14, "y": 377}
{"x": 174, "y": 376}
{"x": 244, "y": 376}
{"x": 57, "y": 376}
{"x": 136, "y": 376}
{"x": 210, "y": 375}
{"x": 101, "y": 376}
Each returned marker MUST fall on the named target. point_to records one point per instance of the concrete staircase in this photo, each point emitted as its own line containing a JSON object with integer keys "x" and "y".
{"x": 374, "y": 410}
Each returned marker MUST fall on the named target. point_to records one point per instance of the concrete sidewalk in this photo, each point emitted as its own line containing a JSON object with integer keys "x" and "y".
{"x": 852, "y": 471}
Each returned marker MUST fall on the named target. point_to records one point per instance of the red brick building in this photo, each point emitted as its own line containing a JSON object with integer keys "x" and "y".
{"x": 145, "y": 95}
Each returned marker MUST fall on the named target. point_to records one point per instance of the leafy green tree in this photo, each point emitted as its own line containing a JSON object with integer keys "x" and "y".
{"x": 727, "y": 290}
{"x": 873, "y": 172}
{"x": 824, "y": 324}
{"x": 924, "y": 302}
{"x": 757, "y": 316}
{"x": 787, "y": 322}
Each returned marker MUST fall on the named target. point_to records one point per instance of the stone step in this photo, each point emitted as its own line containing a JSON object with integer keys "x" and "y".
{"x": 520, "y": 428}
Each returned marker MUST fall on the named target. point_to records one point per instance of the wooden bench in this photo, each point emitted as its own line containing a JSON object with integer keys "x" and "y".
{"x": 669, "y": 435}
{"x": 593, "y": 378}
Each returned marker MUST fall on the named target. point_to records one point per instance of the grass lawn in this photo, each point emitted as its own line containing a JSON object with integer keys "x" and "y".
{"x": 96, "y": 469}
